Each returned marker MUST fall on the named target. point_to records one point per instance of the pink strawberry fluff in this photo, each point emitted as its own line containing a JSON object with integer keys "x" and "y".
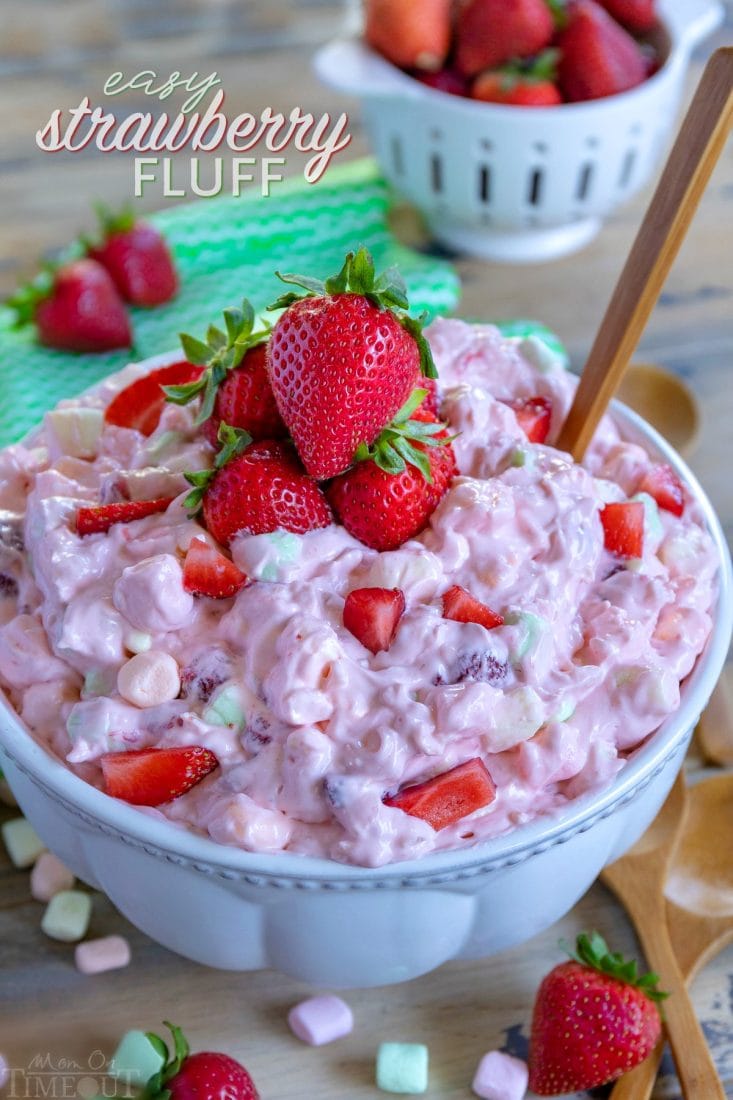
{"x": 310, "y": 728}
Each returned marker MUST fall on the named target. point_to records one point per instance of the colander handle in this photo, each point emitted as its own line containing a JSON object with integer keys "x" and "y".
{"x": 350, "y": 67}
{"x": 692, "y": 20}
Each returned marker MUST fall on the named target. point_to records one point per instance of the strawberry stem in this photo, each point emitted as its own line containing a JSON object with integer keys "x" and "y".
{"x": 155, "y": 1088}
{"x": 393, "y": 449}
{"x": 358, "y": 276}
{"x": 592, "y": 950}
{"x": 233, "y": 441}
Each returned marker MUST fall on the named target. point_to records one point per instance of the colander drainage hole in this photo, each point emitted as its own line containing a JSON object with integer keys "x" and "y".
{"x": 536, "y": 182}
{"x": 436, "y": 173}
{"x": 627, "y": 168}
{"x": 585, "y": 179}
{"x": 397, "y": 158}
{"x": 484, "y": 184}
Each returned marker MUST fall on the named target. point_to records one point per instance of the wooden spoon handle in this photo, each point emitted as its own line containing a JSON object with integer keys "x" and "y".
{"x": 691, "y": 162}
{"x": 639, "y": 1083}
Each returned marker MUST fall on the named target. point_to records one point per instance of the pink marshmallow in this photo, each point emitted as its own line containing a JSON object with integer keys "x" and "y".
{"x": 320, "y": 1020}
{"x": 501, "y": 1077}
{"x": 49, "y": 877}
{"x": 107, "y": 953}
{"x": 4, "y": 1072}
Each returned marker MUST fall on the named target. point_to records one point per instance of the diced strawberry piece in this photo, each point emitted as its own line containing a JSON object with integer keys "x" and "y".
{"x": 150, "y": 777}
{"x": 206, "y": 572}
{"x": 662, "y": 483}
{"x": 623, "y": 528}
{"x": 447, "y": 798}
{"x": 372, "y": 615}
{"x": 140, "y": 404}
{"x": 460, "y": 605}
{"x": 99, "y": 518}
{"x": 534, "y": 416}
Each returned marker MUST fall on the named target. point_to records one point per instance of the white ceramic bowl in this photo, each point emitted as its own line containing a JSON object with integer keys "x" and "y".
{"x": 341, "y": 926}
{"x": 516, "y": 184}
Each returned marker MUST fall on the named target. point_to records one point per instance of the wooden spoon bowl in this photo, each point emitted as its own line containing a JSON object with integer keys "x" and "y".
{"x": 665, "y": 401}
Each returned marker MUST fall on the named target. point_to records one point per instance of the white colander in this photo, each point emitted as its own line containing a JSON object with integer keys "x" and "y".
{"x": 519, "y": 184}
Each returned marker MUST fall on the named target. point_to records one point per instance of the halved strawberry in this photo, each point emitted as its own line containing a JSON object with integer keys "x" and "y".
{"x": 149, "y": 777}
{"x": 140, "y": 404}
{"x": 462, "y": 607}
{"x": 662, "y": 483}
{"x": 100, "y": 517}
{"x": 206, "y": 572}
{"x": 447, "y": 798}
{"x": 534, "y": 416}
{"x": 623, "y": 528}
{"x": 372, "y": 615}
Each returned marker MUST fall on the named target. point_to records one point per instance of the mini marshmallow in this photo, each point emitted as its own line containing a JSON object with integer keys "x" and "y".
{"x": 49, "y": 877}
{"x": 136, "y": 1060}
{"x": 22, "y": 842}
{"x": 501, "y": 1077}
{"x": 137, "y": 641}
{"x": 4, "y": 1072}
{"x": 106, "y": 953}
{"x": 402, "y": 1067}
{"x": 67, "y": 916}
{"x": 149, "y": 679}
{"x": 320, "y": 1020}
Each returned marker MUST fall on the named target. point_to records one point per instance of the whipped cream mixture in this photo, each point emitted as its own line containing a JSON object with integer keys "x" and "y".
{"x": 311, "y": 730}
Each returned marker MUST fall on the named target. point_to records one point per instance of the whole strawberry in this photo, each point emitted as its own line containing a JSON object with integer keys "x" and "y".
{"x": 234, "y": 386}
{"x": 521, "y": 84}
{"x": 395, "y": 486}
{"x": 594, "y": 1020}
{"x": 256, "y": 488}
{"x": 414, "y": 34}
{"x": 136, "y": 256}
{"x": 343, "y": 360}
{"x": 204, "y": 1076}
{"x": 598, "y": 57}
{"x": 75, "y": 307}
{"x": 638, "y": 16}
{"x": 492, "y": 32}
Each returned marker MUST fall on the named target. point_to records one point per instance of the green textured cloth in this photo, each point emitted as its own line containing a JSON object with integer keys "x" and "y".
{"x": 224, "y": 249}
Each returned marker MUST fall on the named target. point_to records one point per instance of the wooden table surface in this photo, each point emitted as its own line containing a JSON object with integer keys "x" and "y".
{"x": 51, "y": 53}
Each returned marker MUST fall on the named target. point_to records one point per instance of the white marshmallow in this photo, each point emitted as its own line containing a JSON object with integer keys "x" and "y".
{"x": 49, "y": 877}
{"x": 23, "y": 844}
{"x": 137, "y": 641}
{"x": 149, "y": 679}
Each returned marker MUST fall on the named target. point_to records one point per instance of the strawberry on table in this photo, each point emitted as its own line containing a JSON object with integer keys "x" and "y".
{"x": 396, "y": 484}
{"x": 137, "y": 258}
{"x": 447, "y": 798}
{"x": 594, "y": 1019}
{"x": 462, "y": 607}
{"x": 491, "y": 32}
{"x": 75, "y": 307}
{"x": 150, "y": 777}
{"x": 256, "y": 488}
{"x": 413, "y": 34}
{"x": 623, "y": 528}
{"x": 373, "y": 614}
{"x": 206, "y": 572}
{"x": 98, "y": 518}
{"x": 343, "y": 359}
{"x": 534, "y": 416}
{"x": 662, "y": 483}
{"x": 637, "y": 16}
{"x": 207, "y": 1075}
{"x": 233, "y": 382}
{"x": 140, "y": 404}
{"x": 597, "y": 56}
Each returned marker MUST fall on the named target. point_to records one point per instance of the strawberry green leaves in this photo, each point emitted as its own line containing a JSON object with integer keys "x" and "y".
{"x": 358, "y": 276}
{"x": 592, "y": 950}
{"x": 394, "y": 449}
{"x": 233, "y": 442}
{"x": 220, "y": 353}
{"x": 156, "y": 1089}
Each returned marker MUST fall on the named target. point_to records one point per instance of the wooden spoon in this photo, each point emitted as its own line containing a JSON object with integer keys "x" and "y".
{"x": 690, "y": 165}
{"x": 638, "y": 880}
{"x": 699, "y": 893}
{"x": 715, "y": 728}
{"x": 665, "y": 401}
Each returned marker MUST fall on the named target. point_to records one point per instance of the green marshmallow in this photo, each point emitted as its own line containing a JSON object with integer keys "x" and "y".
{"x": 534, "y": 626}
{"x": 225, "y": 709}
{"x": 565, "y": 711}
{"x": 136, "y": 1059}
{"x": 402, "y": 1067}
{"x": 652, "y": 522}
